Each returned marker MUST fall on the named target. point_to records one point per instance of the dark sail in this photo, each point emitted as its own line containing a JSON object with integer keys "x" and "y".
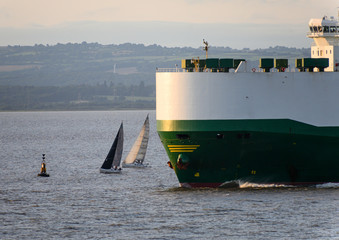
{"x": 116, "y": 150}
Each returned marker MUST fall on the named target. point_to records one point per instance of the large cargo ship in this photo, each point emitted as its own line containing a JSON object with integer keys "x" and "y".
{"x": 223, "y": 121}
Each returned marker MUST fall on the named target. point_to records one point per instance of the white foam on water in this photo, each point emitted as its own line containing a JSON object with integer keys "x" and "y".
{"x": 328, "y": 185}
{"x": 262, "y": 185}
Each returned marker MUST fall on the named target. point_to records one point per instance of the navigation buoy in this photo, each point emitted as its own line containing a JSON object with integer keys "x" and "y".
{"x": 43, "y": 172}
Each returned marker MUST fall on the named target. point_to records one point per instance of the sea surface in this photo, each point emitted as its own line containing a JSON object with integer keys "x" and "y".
{"x": 77, "y": 202}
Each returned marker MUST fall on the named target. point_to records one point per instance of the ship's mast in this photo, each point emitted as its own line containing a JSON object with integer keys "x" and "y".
{"x": 205, "y": 47}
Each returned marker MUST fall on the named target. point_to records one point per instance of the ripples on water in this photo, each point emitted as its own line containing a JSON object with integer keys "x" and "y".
{"x": 79, "y": 203}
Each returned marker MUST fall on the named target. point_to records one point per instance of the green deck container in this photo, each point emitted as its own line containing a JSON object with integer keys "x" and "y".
{"x": 237, "y": 62}
{"x": 226, "y": 62}
{"x": 187, "y": 64}
{"x": 202, "y": 64}
{"x": 266, "y": 64}
{"x": 315, "y": 62}
{"x": 311, "y": 63}
{"x": 212, "y": 63}
{"x": 281, "y": 63}
{"x": 299, "y": 63}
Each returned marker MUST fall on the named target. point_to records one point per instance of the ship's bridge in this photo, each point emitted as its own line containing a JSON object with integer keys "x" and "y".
{"x": 325, "y": 27}
{"x": 325, "y": 33}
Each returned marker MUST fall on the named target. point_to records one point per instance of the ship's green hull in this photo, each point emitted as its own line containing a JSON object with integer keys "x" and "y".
{"x": 210, "y": 153}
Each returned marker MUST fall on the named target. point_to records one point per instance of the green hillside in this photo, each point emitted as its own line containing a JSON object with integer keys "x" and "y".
{"x": 95, "y": 76}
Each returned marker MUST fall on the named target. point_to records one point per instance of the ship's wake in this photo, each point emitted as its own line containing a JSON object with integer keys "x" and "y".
{"x": 261, "y": 185}
{"x": 274, "y": 185}
{"x": 328, "y": 185}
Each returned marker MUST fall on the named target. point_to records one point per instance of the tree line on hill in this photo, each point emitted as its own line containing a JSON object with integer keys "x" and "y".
{"x": 91, "y": 75}
{"x": 80, "y": 97}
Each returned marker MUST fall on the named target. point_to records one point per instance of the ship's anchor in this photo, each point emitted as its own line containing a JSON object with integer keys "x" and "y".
{"x": 182, "y": 162}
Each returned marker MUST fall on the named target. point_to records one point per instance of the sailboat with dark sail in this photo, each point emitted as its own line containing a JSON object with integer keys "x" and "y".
{"x": 136, "y": 156}
{"x": 112, "y": 163}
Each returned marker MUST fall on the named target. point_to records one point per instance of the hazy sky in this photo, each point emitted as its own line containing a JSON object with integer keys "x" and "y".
{"x": 257, "y": 23}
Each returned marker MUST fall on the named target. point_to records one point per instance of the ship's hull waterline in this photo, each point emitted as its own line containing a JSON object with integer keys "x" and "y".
{"x": 257, "y": 151}
{"x": 280, "y": 128}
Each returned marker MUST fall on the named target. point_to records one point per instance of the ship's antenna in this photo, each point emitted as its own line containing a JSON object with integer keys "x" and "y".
{"x": 205, "y": 47}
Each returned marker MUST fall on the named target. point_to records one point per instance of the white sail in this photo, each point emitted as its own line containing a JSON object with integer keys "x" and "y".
{"x": 138, "y": 151}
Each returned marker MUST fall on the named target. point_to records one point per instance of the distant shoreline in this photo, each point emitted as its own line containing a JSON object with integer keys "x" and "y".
{"x": 81, "y": 110}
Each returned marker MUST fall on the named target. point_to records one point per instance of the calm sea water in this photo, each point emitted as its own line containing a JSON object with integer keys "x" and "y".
{"x": 78, "y": 202}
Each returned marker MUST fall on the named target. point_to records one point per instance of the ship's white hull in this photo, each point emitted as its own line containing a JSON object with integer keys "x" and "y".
{"x": 306, "y": 97}
{"x": 276, "y": 128}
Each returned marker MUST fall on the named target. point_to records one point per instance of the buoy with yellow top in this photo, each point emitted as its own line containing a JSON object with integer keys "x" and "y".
{"x": 43, "y": 172}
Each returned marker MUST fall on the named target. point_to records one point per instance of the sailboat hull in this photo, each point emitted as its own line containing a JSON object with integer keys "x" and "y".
{"x": 109, "y": 171}
{"x": 134, "y": 165}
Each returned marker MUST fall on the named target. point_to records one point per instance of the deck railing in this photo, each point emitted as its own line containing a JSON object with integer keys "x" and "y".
{"x": 169, "y": 70}
{"x": 290, "y": 69}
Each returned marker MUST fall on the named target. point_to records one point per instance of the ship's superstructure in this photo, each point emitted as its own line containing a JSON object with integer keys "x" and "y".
{"x": 325, "y": 33}
{"x": 221, "y": 120}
